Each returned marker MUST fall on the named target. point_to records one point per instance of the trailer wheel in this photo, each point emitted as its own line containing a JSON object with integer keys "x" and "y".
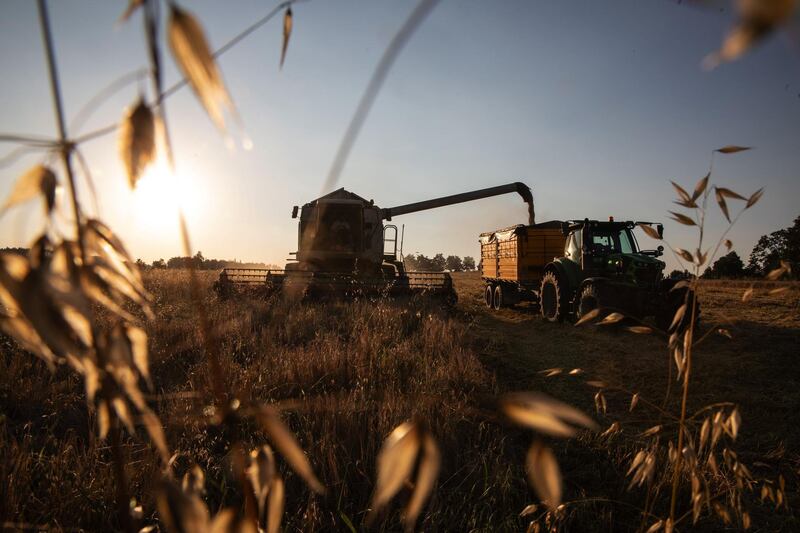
{"x": 498, "y": 297}
{"x": 552, "y": 298}
{"x": 488, "y": 295}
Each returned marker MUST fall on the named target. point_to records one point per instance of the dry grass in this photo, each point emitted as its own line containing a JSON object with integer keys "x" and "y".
{"x": 349, "y": 372}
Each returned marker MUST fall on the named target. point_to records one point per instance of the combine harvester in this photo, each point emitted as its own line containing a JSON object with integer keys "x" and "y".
{"x": 344, "y": 248}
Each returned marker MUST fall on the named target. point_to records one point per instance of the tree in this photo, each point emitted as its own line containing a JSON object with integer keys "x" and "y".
{"x": 727, "y": 266}
{"x": 453, "y": 263}
{"x": 469, "y": 263}
{"x": 438, "y": 263}
{"x": 159, "y": 264}
{"x": 783, "y": 244}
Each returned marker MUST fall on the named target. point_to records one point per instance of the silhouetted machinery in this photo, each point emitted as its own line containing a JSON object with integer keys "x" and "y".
{"x": 344, "y": 247}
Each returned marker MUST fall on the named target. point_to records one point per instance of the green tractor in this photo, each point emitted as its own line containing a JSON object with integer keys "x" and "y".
{"x": 603, "y": 267}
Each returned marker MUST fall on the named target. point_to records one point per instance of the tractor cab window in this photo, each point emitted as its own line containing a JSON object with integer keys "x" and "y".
{"x": 612, "y": 241}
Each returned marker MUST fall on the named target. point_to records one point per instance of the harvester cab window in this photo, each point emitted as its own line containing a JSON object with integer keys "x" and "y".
{"x": 339, "y": 228}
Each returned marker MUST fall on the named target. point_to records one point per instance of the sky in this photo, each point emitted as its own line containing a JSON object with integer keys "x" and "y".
{"x": 595, "y": 105}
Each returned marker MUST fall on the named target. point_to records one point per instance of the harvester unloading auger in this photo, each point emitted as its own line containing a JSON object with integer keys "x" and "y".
{"x": 344, "y": 248}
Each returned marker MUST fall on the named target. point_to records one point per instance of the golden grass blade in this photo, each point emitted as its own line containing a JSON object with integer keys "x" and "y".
{"x": 287, "y": 32}
{"x": 25, "y": 334}
{"x": 728, "y": 244}
{"x": 156, "y": 432}
{"x": 123, "y": 413}
{"x": 755, "y": 197}
{"x": 550, "y": 372}
{"x": 284, "y": 440}
{"x": 727, "y": 193}
{"x": 194, "y": 481}
{"x": 747, "y": 294}
{"x": 224, "y": 522}
{"x": 38, "y": 180}
{"x": 612, "y": 318}
{"x": 613, "y": 429}
{"x": 779, "y": 290}
{"x": 682, "y": 219}
{"x": 575, "y": 372}
{"x": 138, "y": 341}
{"x": 700, "y": 188}
{"x": 723, "y": 205}
{"x": 133, "y": 5}
{"x": 600, "y": 402}
{"x": 634, "y": 402}
{"x": 700, "y": 257}
{"x": 597, "y": 384}
{"x": 544, "y": 474}
{"x": 261, "y": 472}
{"x": 734, "y": 423}
{"x": 641, "y": 330}
{"x": 732, "y": 149}
{"x": 426, "y": 477}
{"x": 180, "y": 511}
{"x": 650, "y": 231}
{"x": 776, "y": 273}
{"x": 682, "y": 194}
{"x": 544, "y": 414}
{"x": 192, "y": 53}
{"x": 679, "y": 314}
{"x": 651, "y": 431}
{"x": 528, "y": 510}
{"x": 395, "y": 462}
{"x": 137, "y": 141}
{"x": 686, "y": 255}
{"x": 275, "y": 506}
{"x": 103, "y": 419}
{"x": 655, "y": 526}
{"x": 588, "y": 317}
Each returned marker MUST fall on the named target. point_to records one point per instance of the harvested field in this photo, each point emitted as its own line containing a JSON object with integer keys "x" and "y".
{"x": 346, "y": 373}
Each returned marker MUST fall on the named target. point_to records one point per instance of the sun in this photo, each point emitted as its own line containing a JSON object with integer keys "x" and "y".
{"x": 160, "y": 196}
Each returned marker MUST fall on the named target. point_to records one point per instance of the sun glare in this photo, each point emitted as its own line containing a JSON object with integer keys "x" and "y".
{"x": 159, "y": 196}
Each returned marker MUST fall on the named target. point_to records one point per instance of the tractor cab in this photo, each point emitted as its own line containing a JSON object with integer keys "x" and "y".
{"x": 609, "y": 250}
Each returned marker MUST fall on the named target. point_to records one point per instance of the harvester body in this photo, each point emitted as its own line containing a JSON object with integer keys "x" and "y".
{"x": 344, "y": 247}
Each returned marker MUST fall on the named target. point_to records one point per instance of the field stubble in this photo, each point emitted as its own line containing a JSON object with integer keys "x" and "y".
{"x": 347, "y": 373}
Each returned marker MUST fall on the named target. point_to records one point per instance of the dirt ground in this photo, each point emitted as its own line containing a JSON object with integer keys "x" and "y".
{"x": 757, "y": 368}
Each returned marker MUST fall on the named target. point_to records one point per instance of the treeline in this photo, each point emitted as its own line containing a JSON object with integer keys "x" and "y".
{"x": 198, "y": 262}
{"x": 767, "y": 254}
{"x": 439, "y": 263}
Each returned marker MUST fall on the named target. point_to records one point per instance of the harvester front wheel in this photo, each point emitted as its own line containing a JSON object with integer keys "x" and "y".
{"x": 488, "y": 295}
{"x": 552, "y": 298}
{"x": 498, "y": 297}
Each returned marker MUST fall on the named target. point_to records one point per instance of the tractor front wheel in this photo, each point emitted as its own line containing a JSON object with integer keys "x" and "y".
{"x": 552, "y": 298}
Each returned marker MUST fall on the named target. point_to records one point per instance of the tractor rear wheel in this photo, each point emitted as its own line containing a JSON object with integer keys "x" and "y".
{"x": 488, "y": 295}
{"x": 498, "y": 297}
{"x": 552, "y": 298}
{"x": 589, "y": 301}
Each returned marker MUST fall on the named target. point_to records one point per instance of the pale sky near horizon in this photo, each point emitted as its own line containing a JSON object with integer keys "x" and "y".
{"x": 595, "y": 105}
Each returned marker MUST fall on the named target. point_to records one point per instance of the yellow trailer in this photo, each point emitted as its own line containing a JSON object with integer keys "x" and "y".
{"x": 513, "y": 261}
